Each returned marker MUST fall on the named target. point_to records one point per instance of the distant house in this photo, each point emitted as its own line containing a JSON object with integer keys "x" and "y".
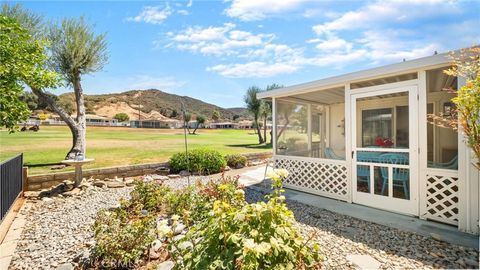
{"x": 91, "y": 120}
{"x": 164, "y": 123}
{"x": 223, "y": 125}
{"x": 245, "y": 124}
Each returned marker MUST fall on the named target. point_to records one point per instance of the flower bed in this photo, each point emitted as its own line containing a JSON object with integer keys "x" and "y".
{"x": 206, "y": 226}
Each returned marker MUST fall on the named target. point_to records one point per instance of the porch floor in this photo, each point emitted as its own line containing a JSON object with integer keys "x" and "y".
{"x": 435, "y": 230}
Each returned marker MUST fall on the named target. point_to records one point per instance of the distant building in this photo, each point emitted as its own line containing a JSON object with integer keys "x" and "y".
{"x": 223, "y": 125}
{"x": 245, "y": 124}
{"x": 90, "y": 120}
{"x": 164, "y": 123}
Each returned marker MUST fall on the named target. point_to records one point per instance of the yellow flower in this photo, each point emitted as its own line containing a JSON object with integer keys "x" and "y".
{"x": 283, "y": 173}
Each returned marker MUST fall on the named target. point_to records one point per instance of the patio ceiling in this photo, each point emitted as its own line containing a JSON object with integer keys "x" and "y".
{"x": 327, "y": 96}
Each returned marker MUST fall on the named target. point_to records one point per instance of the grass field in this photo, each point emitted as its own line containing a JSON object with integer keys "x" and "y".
{"x": 120, "y": 146}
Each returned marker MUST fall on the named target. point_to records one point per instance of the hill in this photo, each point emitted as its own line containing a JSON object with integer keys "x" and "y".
{"x": 150, "y": 104}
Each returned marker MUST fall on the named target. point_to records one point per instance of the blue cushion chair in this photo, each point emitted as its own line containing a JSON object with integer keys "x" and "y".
{"x": 401, "y": 176}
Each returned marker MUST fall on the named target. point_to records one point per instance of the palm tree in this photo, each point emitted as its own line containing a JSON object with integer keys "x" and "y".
{"x": 186, "y": 120}
{"x": 215, "y": 116}
{"x": 200, "y": 121}
{"x": 254, "y": 105}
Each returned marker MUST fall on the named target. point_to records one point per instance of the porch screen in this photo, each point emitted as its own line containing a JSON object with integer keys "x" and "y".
{"x": 291, "y": 129}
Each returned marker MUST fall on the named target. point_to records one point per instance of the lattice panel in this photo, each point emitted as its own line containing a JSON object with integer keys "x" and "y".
{"x": 442, "y": 198}
{"x": 329, "y": 179}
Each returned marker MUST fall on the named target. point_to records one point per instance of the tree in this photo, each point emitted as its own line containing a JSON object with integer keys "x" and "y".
{"x": 75, "y": 51}
{"x": 235, "y": 117}
{"x": 215, "y": 116}
{"x": 186, "y": 120}
{"x": 23, "y": 62}
{"x": 254, "y": 105}
{"x": 174, "y": 113}
{"x": 121, "y": 117}
{"x": 200, "y": 121}
{"x": 267, "y": 111}
{"x": 467, "y": 64}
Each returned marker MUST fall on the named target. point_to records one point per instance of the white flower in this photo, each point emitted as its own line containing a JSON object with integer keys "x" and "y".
{"x": 240, "y": 217}
{"x": 175, "y": 217}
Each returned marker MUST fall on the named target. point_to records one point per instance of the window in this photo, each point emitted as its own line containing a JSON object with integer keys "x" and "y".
{"x": 376, "y": 123}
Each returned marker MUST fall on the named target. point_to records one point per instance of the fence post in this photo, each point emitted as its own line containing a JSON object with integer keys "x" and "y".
{"x": 24, "y": 179}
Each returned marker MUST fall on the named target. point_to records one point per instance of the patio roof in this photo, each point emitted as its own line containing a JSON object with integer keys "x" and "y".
{"x": 336, "y": 82}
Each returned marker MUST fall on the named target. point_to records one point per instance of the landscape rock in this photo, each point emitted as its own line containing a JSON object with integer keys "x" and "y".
{"x": 184, "y": 173}
{"x": 129, "y": 182}
{"x": 227, "y": 168}
{"x": 166, "y": 265}
{"x": 174, "y": 176}
{"x": 157, "y": 177}
{"x": 115, "y": 184}
{"x": 156, "y": 245}
{"x": 31, "y": 194}
{"x": 73, "y": 192}
{"x": 65, "y": 266}
{"x": 179, "y": 229}
{"x": 47, "y": 200}
{"x": 99, "y": 183}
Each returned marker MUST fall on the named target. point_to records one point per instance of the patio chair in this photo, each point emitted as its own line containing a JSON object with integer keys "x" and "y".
{"x": 452, "y": 164}
{"x": 400, "y": 176}
{"x": 331, "y": 155}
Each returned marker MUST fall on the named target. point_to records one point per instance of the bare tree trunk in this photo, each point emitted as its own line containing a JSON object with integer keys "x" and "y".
{"x": 80, "y": 145}
{"x": 63, "y": 114}
{"x": 260, "y": 139}
{"x": 265, "y": 129}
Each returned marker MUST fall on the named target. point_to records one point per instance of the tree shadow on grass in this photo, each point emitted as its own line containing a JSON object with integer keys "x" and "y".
{"x": 252, "y": 146}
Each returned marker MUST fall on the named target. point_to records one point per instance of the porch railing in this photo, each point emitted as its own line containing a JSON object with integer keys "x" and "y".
{"x": 325, "y": 177}
{"x": 11, "y": 179}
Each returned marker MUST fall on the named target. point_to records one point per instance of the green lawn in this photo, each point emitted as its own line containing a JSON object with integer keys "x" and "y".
{"x": 121, "y": 146}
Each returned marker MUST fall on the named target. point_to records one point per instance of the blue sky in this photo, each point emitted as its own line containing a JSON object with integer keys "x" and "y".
{"x": 215, "y": 50}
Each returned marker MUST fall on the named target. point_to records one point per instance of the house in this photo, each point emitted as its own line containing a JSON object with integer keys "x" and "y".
{"x": 364, "y": 138}
{"x": 156, "y": 123}
{"x": 223, "y": 125}
{"x": 90, "y": 120}
{"x": 245, "y": 124}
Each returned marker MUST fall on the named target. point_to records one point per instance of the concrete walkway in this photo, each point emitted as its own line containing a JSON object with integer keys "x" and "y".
{"x": 253, "y": 177}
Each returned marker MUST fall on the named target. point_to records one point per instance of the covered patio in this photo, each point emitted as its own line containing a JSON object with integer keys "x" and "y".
{"x": 364, "y": 138}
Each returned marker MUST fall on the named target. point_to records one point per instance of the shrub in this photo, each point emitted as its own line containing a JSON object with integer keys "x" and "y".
{"x": 236, "y": 161}
{"x": 121, "y": 241}
{"x": 201, "y": 161}
{"x": 249, "y": 236}
{"x": 149, "y": 196}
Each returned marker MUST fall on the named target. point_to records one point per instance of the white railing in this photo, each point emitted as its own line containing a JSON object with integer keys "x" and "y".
{"x": 325, "y": 177}
{"x": 441, "y": 196}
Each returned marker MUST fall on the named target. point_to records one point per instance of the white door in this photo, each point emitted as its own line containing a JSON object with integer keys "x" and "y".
{"x": 385, "y": 149}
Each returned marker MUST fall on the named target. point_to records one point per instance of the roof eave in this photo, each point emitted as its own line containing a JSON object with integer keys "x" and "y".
{"x": 334, "y": 81}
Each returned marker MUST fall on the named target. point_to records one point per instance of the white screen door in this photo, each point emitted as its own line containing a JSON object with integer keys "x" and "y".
{"x": 384, "y": 149}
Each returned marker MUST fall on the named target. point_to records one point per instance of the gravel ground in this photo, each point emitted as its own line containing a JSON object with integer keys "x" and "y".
{"x": 58, "y": 230}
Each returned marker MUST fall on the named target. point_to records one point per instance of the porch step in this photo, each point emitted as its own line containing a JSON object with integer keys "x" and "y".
{"x": 363, "y": 261}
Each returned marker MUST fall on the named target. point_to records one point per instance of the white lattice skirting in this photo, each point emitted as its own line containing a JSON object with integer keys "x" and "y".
{"x": 442, "y": 196}
{"x": 319, "y": 176}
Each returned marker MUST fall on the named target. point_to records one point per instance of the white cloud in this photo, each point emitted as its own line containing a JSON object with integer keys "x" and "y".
{"x": 217, "y": 41}
{"x": 149, "y": 82}
{"x": 153, "y": 15}
{"x": 253, "y": 10}
{"x": 382, "y": 12}
{"x": 253, "y": 69}
{"x": 183, "y": 12}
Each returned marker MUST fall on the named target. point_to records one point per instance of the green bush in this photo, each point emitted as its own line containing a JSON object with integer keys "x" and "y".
{"x": 121, "y": 241}
{"x": 201, "y": 161}
{"x": 249, "y": 236}
{"x": 236, "y": 161}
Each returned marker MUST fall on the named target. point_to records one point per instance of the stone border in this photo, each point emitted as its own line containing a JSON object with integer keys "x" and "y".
{"x": 43, "y": 181}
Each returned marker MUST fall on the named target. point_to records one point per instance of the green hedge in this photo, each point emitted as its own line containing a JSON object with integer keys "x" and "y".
{"x": 202, "y": 161}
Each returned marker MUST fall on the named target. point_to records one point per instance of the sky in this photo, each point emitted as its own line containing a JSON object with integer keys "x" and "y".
{"x": 215, "y": 50}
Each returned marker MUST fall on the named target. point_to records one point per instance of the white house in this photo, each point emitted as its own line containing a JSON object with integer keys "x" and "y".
{"x": 364, "y": 138}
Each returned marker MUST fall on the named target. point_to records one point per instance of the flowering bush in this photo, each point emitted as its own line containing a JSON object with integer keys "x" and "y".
{"x": 249, "y": 236}
{"x": 223, "y": 231}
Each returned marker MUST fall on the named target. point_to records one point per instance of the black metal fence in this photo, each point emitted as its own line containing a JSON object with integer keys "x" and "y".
{"x": 11, "y": 174}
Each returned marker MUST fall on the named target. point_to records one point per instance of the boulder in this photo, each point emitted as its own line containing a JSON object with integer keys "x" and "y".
{"x": 65, "y": 266}
{"x": 174, "y": 176}
{"x": 115, "y": 184}
{"x": 99, "y": 183}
